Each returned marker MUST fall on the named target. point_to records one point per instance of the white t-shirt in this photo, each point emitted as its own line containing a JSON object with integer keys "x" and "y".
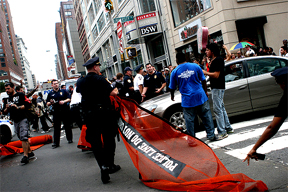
{"x": 138, "y": 80}
{"x": 249, "y": 52}
{"x": 76, "y": 97}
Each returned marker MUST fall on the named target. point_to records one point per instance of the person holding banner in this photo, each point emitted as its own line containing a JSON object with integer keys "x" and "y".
{"x": 96, "y": 91}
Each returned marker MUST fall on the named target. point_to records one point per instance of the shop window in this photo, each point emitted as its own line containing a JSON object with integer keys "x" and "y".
{"x": 157, "y": 47}
{"x": 183, "y": 10}
{"x": 147, "y": 6}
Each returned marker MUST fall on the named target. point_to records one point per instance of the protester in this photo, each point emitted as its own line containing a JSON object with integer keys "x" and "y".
{"x": 70, "y": 90}
{"x": 138, "y": 84}
{"x": 44, "y": 110}
{"x": 271, "y": 52}
{"x": 63, "y": 87}
{"x": 283, "y": 51}
{"x": 35, "y": 121}
{"x": 239, "y": 55}
{"x": 59, "y": 99}
{"x": 217, "y": 82}
{"x": 228, "y": 54}
{"x": 192, "y": 86}
{"x": 119, "y": 84}
{"x": 40, "y": 108}
{"x": 249, "y": 52}
{"x": 154, "y": 83}
{"x": 95, "y": 91}
{"x": 15, "y": 105}
{"x": 167, "y": 79}
{"x": 279, "y": 117}
{"x": 75, "y": 108}
{"x": 128, "y": 83}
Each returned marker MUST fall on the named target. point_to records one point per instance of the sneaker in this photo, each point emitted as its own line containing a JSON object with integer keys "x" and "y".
{"x": 31, "y": 155}
{"x": 222, "y": 136}
{"x": 215, "y": 138}
{"x": 43, "y": 132}
{"x": 229, "y": 130}
{"x": 25, "y": 160}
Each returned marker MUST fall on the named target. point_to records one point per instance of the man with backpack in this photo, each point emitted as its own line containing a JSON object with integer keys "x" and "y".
{"x": 16, "y": 106}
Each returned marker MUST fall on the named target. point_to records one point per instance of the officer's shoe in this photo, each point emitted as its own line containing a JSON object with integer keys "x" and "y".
{"x": 114, "y": 168}
{"x": 105, "y": 174}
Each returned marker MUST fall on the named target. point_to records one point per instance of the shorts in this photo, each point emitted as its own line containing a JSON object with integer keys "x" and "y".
{"x": 22, "y": 128}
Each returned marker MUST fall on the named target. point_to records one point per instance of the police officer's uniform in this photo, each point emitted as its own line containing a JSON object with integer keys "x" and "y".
{"x": 153, "y": 82}
{"x": 61, "y": 113}
{"x": 95, "y": 90}
{"x": 128, "y": 82}
{"x": 138, "y": 80}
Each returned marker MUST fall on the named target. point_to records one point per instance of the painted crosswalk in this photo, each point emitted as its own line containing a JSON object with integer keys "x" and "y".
{"x": 245, "y": 135}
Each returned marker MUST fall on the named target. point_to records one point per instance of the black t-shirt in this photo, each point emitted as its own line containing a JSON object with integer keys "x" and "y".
{"x": 217, "y": 65}
{"x": 282, "y": 109}
{"x": 153, "y": 82}
{"x": 95, "y": 90}
{"x": 59, "y": 95}
{"x": 18, "y": 99}
{"x": 128, "y": 82}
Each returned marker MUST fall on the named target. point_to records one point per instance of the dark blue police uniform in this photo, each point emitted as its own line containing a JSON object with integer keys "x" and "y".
{"x": 61, "y": 113}
{"x": 128, "y": 82}
{"x": 98, "y": 117}
{"x": 153, "y": 82}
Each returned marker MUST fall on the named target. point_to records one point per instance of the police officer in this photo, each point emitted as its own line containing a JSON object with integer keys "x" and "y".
{"x": 138, "y": 84}
{"x": 154, "y": 83}
{"x": 128, "y": 83}
{"x": 59, "y": 99}
{"x": 279, "y": 117}
{"x": 95, "y": 90}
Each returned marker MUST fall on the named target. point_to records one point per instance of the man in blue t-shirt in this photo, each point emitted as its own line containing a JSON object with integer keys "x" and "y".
{"x": 192, "y": 85}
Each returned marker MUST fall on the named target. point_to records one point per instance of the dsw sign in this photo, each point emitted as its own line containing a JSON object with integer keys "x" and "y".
{"x": 149, "y": 29}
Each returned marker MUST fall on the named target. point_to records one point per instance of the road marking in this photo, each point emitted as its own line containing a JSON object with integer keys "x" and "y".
{"x": 271, "y": 145}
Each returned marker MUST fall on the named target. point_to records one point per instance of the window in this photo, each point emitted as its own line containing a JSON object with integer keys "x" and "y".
{"x": 86, "y": 25}
{"x": 1, "y": 50}
{"x": 3, "y": 73}
{"x": 3, "y": 64}
{"x": 95, "y": 32}
{"x": 91, "y": 14}
{"x": 233, "y": 72}
{"x": 283, "y": 62}
{"x": 183, "y": 10}
{"x": 70, "y": 6}
{"x": 147, "y": 6}
{"x": 2, "y": 59}
{"x": 101, "y": 22}
{"x": 89, "y": 41}
{"x": 97, "y": 5}
{"x": 68, "y": 13}
{"x": 107, "y": 49}
{"x": 83, "y": 7}
{"x": 262, "y": 66}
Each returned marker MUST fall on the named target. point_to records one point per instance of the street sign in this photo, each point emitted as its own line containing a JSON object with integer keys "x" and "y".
{"x": 123, "y": 19}
{"x": 119, "y": 29}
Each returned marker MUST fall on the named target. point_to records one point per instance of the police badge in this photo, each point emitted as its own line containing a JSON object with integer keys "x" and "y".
{"x": 155, "y": 76}
{"x": 61, "y": 93}
{"x": 129, "y": 81}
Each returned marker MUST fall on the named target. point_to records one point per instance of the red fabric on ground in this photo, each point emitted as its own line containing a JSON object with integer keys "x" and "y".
{"x": 166, "y": 161}
{"x": 16, "y": 146}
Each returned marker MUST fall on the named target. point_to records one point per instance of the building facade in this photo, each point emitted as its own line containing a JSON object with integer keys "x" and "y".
{"x": 11, "y": 69}
{"x": 27, "y": 73}
{"x": 60, "y": 52}
{"x": 262, "y": 23}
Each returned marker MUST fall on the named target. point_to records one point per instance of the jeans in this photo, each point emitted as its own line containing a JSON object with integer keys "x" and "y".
{"x": 203, "y": 111}
{"x": 222, "y": 119}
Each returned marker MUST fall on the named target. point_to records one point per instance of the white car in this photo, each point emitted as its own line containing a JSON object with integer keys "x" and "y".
{"x": 7, "y": 130}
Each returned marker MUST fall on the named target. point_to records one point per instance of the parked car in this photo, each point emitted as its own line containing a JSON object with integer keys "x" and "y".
{"x": 249, "y": 87}
{"x": 7, "y": 130}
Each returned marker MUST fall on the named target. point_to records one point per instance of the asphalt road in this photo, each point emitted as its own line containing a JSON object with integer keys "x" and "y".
{"x": 67, "y": 168}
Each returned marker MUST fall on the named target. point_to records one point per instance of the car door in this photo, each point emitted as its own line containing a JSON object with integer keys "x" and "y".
{"x": 264, "y": 91}
{"x": 236, "y": 97}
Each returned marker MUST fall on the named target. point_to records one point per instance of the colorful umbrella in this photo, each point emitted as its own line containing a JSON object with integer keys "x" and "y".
{"x": 241, "y": 45}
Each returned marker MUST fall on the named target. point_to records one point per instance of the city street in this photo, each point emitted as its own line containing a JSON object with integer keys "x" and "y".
{"x": 67, "y": 168}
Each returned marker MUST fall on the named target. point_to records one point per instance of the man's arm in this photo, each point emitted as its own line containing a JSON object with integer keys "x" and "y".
{"x": 269, "y": 132}
{"x": 140, "y": 88}
{"x": 143, "y": 93}
{"x": 163, "y": 85}
{"x": 213, "y": 74}
{"x": 204, "y": 85}
{"x": 32, "y": 92}
{"x": 114, "y": 92}
{"x": 172, "y": 94}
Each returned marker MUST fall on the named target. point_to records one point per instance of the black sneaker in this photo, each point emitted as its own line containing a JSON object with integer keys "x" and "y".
{"x": 105, "y": 174}
{"x": 31, "y": 155}
{"x": 215, "y": 138}
{"x": 229, "y": 130}
{"x": 25, "y": 160}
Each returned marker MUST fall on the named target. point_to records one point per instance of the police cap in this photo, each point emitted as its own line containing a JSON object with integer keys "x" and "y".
{"x": 138, "y": 68}
{"x": 93, "y": 61}
{"x": 279, "y": 72}
{"x": 127, "y": 69}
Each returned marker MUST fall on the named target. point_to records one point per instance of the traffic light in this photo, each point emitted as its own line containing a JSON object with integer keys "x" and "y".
{"x": 131, "y": 52}
{"x": 108, "y": 5}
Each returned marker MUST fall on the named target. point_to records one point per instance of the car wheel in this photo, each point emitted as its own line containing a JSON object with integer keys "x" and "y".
{"x": 176, "y": 117}
{"x": 5, "y": 135}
